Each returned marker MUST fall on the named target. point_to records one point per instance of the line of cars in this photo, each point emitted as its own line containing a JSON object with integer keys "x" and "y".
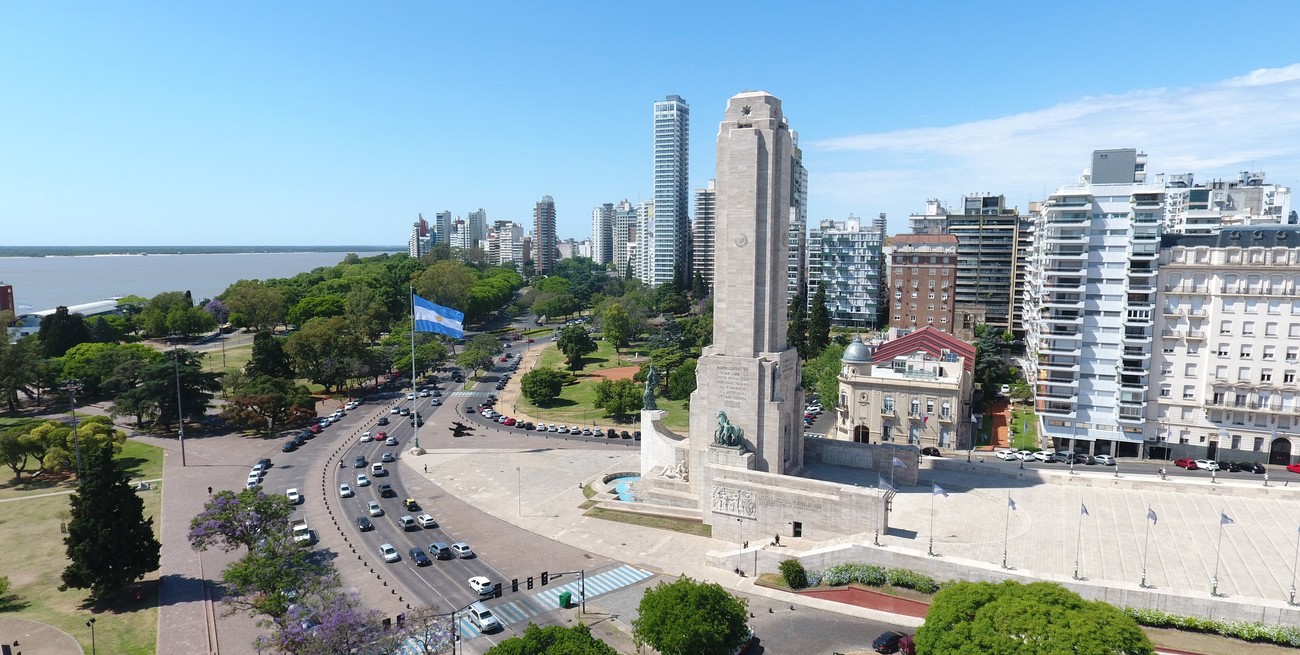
{"x": 488, "y": 411}
{"x": 301, "y": 439}
{"x": 1049, "y": 457}
{"x": 1229, "y": 467}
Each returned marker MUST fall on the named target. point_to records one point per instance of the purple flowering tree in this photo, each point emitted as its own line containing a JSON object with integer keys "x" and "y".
{"x": 427, "y": 632}
{"x": 335, "y": 624}
{"x": 218, "y": 310}
{"x": 229, "y": 520}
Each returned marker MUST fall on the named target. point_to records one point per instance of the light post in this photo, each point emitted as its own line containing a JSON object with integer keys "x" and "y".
{"x": 180, "y": 412}
{"x": 91, "y": 624}
{"x": 519, "y": 489}
{"x": 72, "y": 387}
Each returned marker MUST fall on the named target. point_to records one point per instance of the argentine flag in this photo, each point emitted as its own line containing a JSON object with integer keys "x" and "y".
{"x": 436, "y": 318}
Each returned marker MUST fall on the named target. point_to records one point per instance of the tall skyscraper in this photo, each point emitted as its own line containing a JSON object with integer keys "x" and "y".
{"x": 643, "y": 259}
{"x": 442, "y": 224}
{"x": 702, "y": 240}
{"x": 848, "y": 260}
{"x": 602, "y": 233}
{"x": 1094, "y": 285}
{"x": 476, "y": 224}
{"x": 624, "y": 234}
{"x": 797, "y": 241}
{"x": 420, "y": 243}
{"x": 922, "y": 277}
{"x": 671, "y": 250}
{"x": 544, "y": 229}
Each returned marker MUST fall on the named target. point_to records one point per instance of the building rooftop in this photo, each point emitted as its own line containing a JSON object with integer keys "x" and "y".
{"x": 928, "y": 340}
{"x": 1244, "y": 236}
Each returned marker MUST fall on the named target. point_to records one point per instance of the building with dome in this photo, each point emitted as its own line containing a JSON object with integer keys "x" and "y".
{"x": 914, "y": 390}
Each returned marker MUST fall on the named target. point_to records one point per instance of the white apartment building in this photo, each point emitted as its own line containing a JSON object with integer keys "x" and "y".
{"x": 796, "y": 259}
{"x": 643, "y": 263}
{"x": 602, "y": 233}
{"x": 506, "y": 243}
{"x": 420, "y": 243}
{"x": 624, "y": 233}
{"x": 706, "y": 215}
{"x": 1228, "y": 351}
{"x": 668, "y": 247}
{"x": 847, "y": 257}
{"x": 1192, "y": 208}
{"x": 1093, "y": 293}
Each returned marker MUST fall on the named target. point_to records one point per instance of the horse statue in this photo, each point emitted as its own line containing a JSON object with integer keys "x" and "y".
{"x": 728, "y": 434}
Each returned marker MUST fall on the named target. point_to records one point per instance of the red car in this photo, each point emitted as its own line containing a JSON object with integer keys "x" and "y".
{"x": 1189, "y": 464}
{"x": 1294, "y": 468}
{"x": 509, "y": 421}
{"x": 505, "y": 358}
{"x": 530, "y": 339}
{"x": 381, "y": 436}
{"x": 314, "y": 428}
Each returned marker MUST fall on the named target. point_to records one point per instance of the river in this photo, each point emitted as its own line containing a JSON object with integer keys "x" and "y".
{"x": 48, "y": 282}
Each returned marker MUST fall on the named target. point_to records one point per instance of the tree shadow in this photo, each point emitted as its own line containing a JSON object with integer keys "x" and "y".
{"x": 12, "y": 603}
{"x": 142, "y": 596}
{"x": 558, "y": 403}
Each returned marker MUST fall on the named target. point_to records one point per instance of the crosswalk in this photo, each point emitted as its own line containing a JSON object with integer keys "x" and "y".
{"x": 526, "y": 607}
{"x": 483, "y": 392}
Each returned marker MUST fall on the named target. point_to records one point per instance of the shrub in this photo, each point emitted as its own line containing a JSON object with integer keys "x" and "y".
{"x": 794, "y": 574}
{"x": 1285, "y": 635}
{"x": 911, "y": 580}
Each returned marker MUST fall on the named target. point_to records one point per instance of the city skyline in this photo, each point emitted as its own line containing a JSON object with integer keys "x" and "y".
{"x": 239, "y": 124}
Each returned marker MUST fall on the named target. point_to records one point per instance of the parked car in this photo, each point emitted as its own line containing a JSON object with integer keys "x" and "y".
{"x": 1294, "y": 468}
{"x": 294, "y": 496}
{"x": 1104, "y": 460}
{"x": 289, "y": 446}
{"x": 931, "y": 451}
{"x": 1005, "y": 453}
{"x": 893, "y": 642}
{"x": 1186, "y": 463}
{"x": 1024, "y": 455}
{"x": 1252, "y": 467}
{"x": 1043, "y": 456}
{"x": 1207, "y": 464}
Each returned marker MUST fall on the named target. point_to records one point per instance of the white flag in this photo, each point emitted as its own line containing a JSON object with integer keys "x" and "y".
{"x": 1151, "y": 514}
{"x": 1223, "y": 432}
{"x": 885, "y": 486}
{"x": 899, "y": 463}
{"x": 938, "y": 491}
{"x": 1083, "y": 510}
{"x": 1011, "y": 503}
{"x": 1224, "y": 519}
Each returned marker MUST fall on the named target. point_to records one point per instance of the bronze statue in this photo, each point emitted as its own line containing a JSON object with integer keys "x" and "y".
{"x": 651, "y": 383}
{"x": 731, "y": 436}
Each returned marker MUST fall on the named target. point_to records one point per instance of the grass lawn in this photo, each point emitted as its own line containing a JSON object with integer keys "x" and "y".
{"x": 32, "y": 556}
{"x": 1024, "y": 429}
{"x": 576, "y": 404}
{"x": 658, "y": 522}
{"x": 143, "y": 462}
{"x": 603, "y": 358}
{"x": 236, "y": 358}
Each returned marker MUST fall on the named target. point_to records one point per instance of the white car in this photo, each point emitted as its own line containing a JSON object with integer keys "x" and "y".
{"x": 424, "y": 393}
{"x": 294, "y": 496}
{"x": 481, "y": 584}
{"x": 1005, "y": 453}
{"x": 362, "y": 480}
{"x": 352, "y": 404}
{"x": 375, "y": 509}
{"x": 366, "y": 437}
{"x": 345, "y": 491}
{"x": 461, "y": 549}
{"x": 390, "y": 554}
{"x": 410, "y": 396}
{"x": 1043, "y": 456}
{"x": 1107, "y": 460}
{"x": 1006, "y": 389}
{"x": 1024, "y": 455}
{"x": 394, "y": 410}
{"x": 1206, "y": 464}
{"x": 387, "y": 457}
{"x": 391, "y": 441}
{"x": 426, "y": 521}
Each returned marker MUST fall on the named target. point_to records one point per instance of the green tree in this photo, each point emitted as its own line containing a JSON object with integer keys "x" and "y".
{"x": 15, "y": 452}
{"x": 681, "y": 382}
{"x": 575, "y": 343}
{"x": 18, "y": 369}
{"x": 618, "y": 327}
{"x": 258, "y": 305}
{"x": 691, "y": 618}
{"x": 699, "y": 287}
{"x": 821, "y": 374}
{"x": 189, "y": 321}
{"x": 268, "y": 357}
{"x": 325, "y": 351}
{"x": 60, "y": 331}
{"x": 447, "y": 283}
{"x": 312, "y": 306}
{"x": 553, "y": 640}
{"x": 619, "y": 398}
{"x": 479, "y": 352}
{"x": 154, "y": 399}
{"x": 819, "y": 323}
{"x": 969, "y": 618}
{"x": 110, "y": 543}
{"x": 667, "y": 360}
{"x": 796, "y": 329}
{"x": 271, "y": 576}
{"x": 542, "y": 385}
{"x": 266, "y": 404}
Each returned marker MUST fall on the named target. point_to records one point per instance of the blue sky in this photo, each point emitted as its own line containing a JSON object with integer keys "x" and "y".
{"x": 337, "y": 122}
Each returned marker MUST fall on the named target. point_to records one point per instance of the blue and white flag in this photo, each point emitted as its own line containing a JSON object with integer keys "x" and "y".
{"x": 898, "y": 463}
{"x": 1224, "y": 519}
{"x": 1011, "y": 503}
{"x": 885, "y": 486}
{"x": 938, "y": 491}
{"x": 436, "y": 318}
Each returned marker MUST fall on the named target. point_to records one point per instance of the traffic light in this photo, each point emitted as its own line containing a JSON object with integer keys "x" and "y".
{"x": 514, "y": 585}
{"x": 496, "y": 591}
{"x": 530, "y": 582}
{"x": 545, "y": 578}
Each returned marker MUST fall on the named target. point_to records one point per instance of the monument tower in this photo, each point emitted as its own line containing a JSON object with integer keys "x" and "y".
{"x": 749, "y": 374}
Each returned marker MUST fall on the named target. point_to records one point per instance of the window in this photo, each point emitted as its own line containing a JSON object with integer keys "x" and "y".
{"x": 889, "y": 404}
{"x": 1245, "y": 351}
{"x": 1293, "y": 330}
{"x": 1165, "y": 391}
{"x": 1248, "y": 328}
{"x": 1225, "y": 327}
{"x": 844, "y": 399}
{"x": 1192, "y": 349}
{"x": 1291, "y": 354}
{"x": 887, "y": 433}
{"x": 1252, "y": 306}
{"x": 929, "y": 407}
{"x": 1223, "y": 350}
{"x": 1270, "y": 353}
{"x": 1229, "y": 306}
{"x": 1270, "y": 329}
{"x": 1259, "y": 444}
{"x": 915, "y": 408}
{"x": 1243, "y": 374}
{"x": 1189, "y": 371}
{"x": 1266, "y": 375}
{"x": 1218, "y": 399}
{"x": 1189, "y": 392}
{"x": 1288, "y": 377}
{"x": 931, "y": 286}
{"x": 946, "y": 410}
{"x": 1221, "y": 372}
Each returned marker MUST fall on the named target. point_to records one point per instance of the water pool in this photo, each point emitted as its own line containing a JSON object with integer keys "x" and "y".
{"x": 624, "y": 486}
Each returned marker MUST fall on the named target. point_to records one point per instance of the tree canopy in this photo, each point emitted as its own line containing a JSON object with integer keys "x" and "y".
{"x": 819, "y": 323}
{"x": 619, "y": 398}
{"x": 542, "y": 385}
{"x": 110, "y": 543}
{"x": 553, "y": 640}
{"x": 691, "y": 618}
{"x": 575, "y": 343}
{"x": 973, "y": 618}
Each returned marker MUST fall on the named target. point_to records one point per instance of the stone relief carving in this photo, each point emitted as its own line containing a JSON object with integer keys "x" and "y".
{"x": 736, "y": 502}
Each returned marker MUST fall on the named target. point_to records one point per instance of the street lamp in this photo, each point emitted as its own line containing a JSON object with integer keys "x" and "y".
{"x": 72, "y": 387}
{"x": 180, "y": 411}
{"x": 91, "y": 624}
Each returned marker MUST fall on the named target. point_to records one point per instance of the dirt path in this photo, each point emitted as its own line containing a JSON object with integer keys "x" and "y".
{"x": 1000, "y": 413}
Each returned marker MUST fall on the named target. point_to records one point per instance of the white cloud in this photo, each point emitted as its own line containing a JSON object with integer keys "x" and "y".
{"x": 1251, "y": 122}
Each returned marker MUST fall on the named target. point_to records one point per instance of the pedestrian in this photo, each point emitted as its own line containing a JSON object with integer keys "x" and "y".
{"x": 209, "y": 491}
{"x": 426, "y": 468}
{"x": 776, "y": 539}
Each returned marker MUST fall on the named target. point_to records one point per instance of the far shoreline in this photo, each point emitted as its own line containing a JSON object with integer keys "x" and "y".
{"x": 88, "y": 251}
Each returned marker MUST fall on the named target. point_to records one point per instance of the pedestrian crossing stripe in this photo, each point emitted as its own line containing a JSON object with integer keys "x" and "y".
{"x": 519, "y": 611}
{"x": 469, "y": 393}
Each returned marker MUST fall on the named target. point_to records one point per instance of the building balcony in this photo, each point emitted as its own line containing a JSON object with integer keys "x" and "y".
{"x": 1196, "y": 334}
{"x": 946, "y": 417}
{"x": 1058, "y": 396}
{"x": 1173, "y": 311}
{"x": 1055, "y": 408}
{"x": 886, "y": 411}
{"x": 1172, "y": 334}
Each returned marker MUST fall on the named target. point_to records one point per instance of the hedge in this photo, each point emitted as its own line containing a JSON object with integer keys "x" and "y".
{"x": 1285, "y": 635}
{"x": 872, "y": 576}
{"x": 794, "y": 574}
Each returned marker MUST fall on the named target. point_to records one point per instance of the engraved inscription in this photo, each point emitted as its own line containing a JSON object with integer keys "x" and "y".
{"x": 847, "y": 457}
{"x": 732, "y": 384}
{"x": 736, "y": 502}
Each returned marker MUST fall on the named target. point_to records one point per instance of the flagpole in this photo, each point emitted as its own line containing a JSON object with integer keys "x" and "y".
{"x": 892, "y": 457}
{"x": 932, "y": 523}
{"x": 1218, "y": 550}
{"x": 1006, "y": 532}
{"x": 415, "y": 415}
{"x": 1294, "y": 566}
{"x": 1078, "y": 543}
{"x": 1146, "y": 547}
